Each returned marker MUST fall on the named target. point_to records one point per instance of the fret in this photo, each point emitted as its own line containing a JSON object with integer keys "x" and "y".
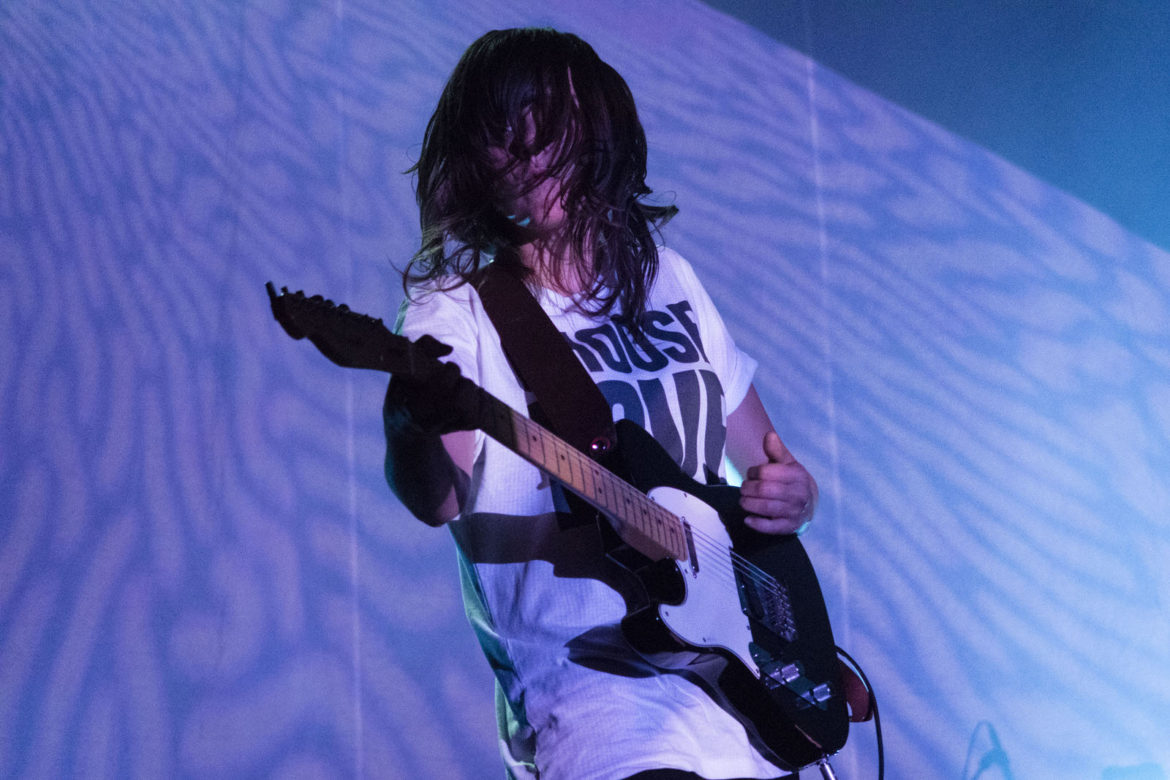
{"x": 663, "y": 527}
{"x": 651, "y": 524}
{"x": 675, "y": 532}
{"x": 604, "y": 484}
{"x": 643, "y": 528}
{"x": 572, "y": 464}
{"x": 527, "y": 446}
{"x": 548, "y": 451}
{"x": 549, "y": 448}
{"x": 586, "y": 471}
{"x": 645, "y": 509}
{"x": 560, "y": 464}
{"x": 671, "y": 530}
{"x": 520, "y": 438}
{"x": 610, "y": 493}
{"x": 629, "y": 502}
{"x": 583, "y": 473}
{"x": 638, "y": 514}
{"x": 497, "y": 422}
{"x": 534, "y": 448}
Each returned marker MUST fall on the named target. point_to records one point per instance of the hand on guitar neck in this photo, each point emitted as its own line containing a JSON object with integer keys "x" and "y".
{"x": 432, "y": 401}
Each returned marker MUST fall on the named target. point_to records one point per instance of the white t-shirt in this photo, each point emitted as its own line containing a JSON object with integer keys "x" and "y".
{"x": 574, "y": 700}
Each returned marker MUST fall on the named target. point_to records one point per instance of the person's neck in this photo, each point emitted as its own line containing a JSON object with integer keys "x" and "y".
{"x": 555, "y": 269}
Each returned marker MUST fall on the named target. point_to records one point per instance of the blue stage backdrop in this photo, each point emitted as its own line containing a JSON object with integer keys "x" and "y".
{"x": 201, "y": 571}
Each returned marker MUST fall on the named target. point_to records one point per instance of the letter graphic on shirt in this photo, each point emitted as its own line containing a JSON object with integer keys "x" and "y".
{"x": 716, "y": 434}
{"x": 686, "y": 384}
{"x": 613, "y": 346}
{"x": 587, "y": 358}
{"x": 681, "y": 310}
{"x": 662, "y": 426}
{"x": 646, "y": 406}
{"x": 687, "y": 353}
{"x": 623, "y": 400}
{"x": 606, "y": 344}
{"x": 689, "y": 424}
{"x": 651, "y": 361}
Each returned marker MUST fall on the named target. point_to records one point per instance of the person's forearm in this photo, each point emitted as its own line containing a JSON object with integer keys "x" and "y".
{"x": 422, "y": 474}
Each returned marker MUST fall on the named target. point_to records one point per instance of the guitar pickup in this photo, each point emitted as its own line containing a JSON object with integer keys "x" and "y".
{"x": 776, "y": 676}
{"x": 818, "y": 697}
{"x": 820, "y": 694}
{"x": 694, "y": 556}
{"x": 790, "y": 677}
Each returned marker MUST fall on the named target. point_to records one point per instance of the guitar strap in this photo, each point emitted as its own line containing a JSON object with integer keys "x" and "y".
{"x": 541, "y": 357}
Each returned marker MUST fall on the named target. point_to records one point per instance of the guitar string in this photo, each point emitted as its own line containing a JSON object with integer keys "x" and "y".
{"x": 721, "y": 552}
{"x": 738, "y": 561}
{"x": 765, "y": 584}
{"x": 746, "y": 569}
{"x": 710, "y": 544}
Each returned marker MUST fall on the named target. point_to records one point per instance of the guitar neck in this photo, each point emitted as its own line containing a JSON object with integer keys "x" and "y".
{"x": 357, "y": 341}
{"x": 641, "y": 523}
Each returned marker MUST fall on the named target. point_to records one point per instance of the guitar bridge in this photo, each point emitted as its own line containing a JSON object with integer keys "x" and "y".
{"x": 766, "y": 599}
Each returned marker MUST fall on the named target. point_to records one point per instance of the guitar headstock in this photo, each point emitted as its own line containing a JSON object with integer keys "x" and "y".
{"x": 349, "y": 339}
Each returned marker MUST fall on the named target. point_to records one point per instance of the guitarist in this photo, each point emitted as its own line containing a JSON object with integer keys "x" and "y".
{"x": 535, "y": 156}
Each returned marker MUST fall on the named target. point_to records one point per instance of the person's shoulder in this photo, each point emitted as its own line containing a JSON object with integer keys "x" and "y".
{"x": 445, "y": 290}
{"x": 438, "y": 285}
{"x": 669, "y": 258}
{"x": 445, "y": 299}
{"x": 674, "y": 267}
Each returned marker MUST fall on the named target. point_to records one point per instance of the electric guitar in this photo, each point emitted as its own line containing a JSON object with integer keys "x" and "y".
{"x": 738, "y": 612}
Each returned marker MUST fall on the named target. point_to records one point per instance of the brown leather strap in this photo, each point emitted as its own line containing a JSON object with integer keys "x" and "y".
{"x": 574, "y": 406}
{"x": 857, "y": 695}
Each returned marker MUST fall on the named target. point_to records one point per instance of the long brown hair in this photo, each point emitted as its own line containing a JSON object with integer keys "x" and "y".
{"x": 576, "y": 102}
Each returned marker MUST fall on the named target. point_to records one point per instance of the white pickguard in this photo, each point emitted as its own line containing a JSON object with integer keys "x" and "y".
{"x": 710, "y": 615}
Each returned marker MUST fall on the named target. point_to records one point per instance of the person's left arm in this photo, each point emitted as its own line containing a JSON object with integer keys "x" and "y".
{"x": 778, "y": 494}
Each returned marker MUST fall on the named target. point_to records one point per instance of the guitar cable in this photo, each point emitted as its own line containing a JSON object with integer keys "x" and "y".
{"x": 877, "y": 720}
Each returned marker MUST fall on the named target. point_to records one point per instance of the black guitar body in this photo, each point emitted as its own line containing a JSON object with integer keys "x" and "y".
{"x": 782, "y": 680}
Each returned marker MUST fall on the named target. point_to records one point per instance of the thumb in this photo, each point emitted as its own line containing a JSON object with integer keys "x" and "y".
{"x": 774, "y": 448}
{"x": 431, "y": 346}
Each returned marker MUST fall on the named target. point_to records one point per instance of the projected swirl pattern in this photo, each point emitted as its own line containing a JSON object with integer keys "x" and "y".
{"x": 201, "y": 571}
